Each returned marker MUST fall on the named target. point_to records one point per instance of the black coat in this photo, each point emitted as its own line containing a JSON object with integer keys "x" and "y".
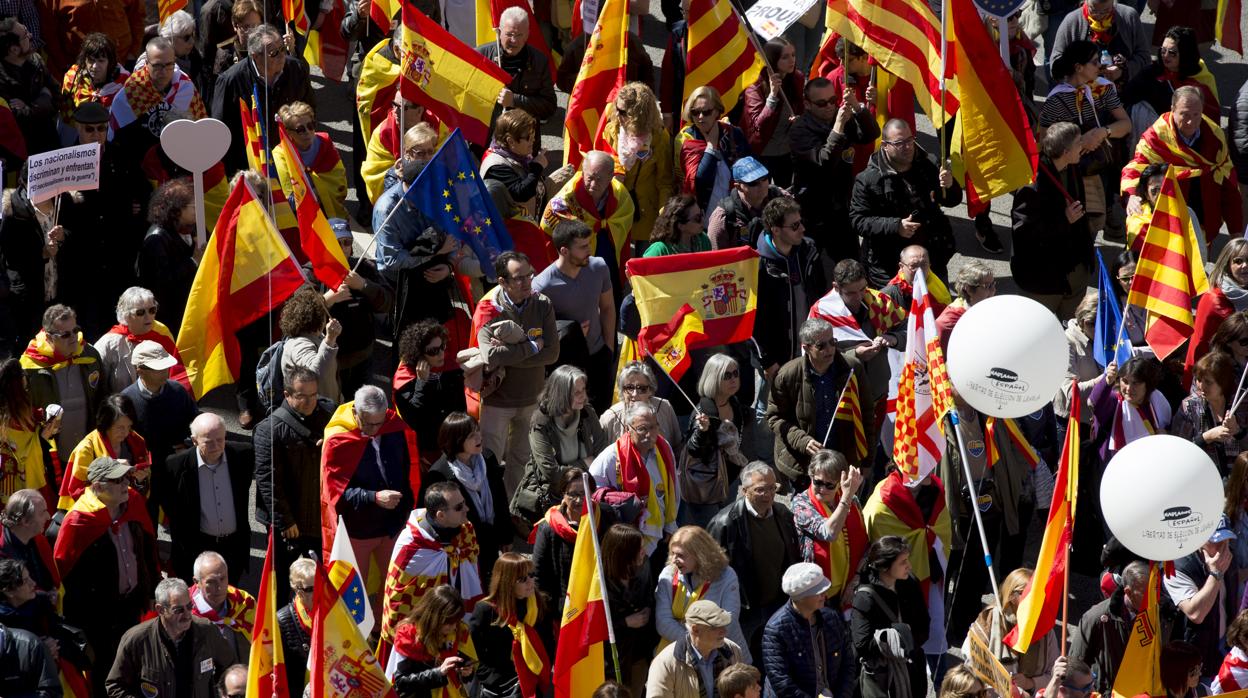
{"x": 356, "y": 314}
{"x": 532, "y": 88}
{"x": 424, "y": 404}
{"x": 497, "y": 670}
{"x": 823, "y": 179}
{"x": 295, "y": 645}
{"x": 288, "y": 466}
{"x": 907, "y": 605}
{"x": 26, "y": 667}
{"x": 788, "y": 654}
{"x": 181, "y": 498}
{"x": 1047, "y": 247}
{"x": 552, "y": 557}
{"x": 293, "y": 85}
{"x": 490, "y": 537}
{"x": 166, "y": 267}
{"x": 775, "y": 330}
{"x": 731, "y": 530}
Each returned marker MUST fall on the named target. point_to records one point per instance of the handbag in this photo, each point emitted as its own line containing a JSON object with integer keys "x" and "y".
{"x": 703, "y": 482}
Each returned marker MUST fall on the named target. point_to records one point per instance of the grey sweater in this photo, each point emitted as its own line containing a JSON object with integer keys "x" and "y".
{"x": 1074, "y": 27}
{"x": 526, "y": 368}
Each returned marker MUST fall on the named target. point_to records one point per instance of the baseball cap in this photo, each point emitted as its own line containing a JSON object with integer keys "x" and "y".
{"x": 708, "y": 613}
{"x": 341, "y": 228}
{"x": 804, "y": 579}
{"x": 106, "y": 468}
{"x": 149, "y": 354}
{"x": 747, "y": 170}
{"x": 1224, "y": 531}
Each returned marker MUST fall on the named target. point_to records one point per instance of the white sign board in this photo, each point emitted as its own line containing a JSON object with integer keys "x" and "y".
{"x": 771, "y": 17}
{"x": 55, "y": 172}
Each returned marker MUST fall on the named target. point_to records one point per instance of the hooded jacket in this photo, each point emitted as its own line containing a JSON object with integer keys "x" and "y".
{"x": 776, "y": 332}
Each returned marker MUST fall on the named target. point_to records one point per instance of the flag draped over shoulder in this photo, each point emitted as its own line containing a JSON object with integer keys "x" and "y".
{"x": 1169, "y": 276}
{"x": 669, "y": 344}
{"x": 720, "y": 53}
{"x": 601, "y": 74}
{"x": 1109, "y": 343}
{"x": 584, "y": 629}
{"x": 451, "y": 80}
{"x": 316, "y": 238}
{"x": 342, "y": 664}
{"x": 1140, "y": 670}
{"x": 89, "y": 519}
{"x": 1037, "y": 610}
{"x": 904, "y": 36}
{"x": 993, "y": 149}
{"x": 266, "y": 668}
{"x": 924, "y": 394}
{"x": 720, "y": 285}
{"x": 247, "y": 270}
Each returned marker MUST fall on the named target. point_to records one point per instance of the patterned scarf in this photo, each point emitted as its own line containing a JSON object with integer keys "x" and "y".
{"x": 839, "y": 558}
{"x": 528, "y": 653}
{"x": 936, "y": 287}
{"x": 1100, "y": 31}
{"x": 77, "y": 88}
{"x": 407, "y": 644}
{"x": 240, "y": 612}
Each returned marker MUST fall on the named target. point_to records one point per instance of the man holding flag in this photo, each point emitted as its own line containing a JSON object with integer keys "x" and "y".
{"x": 531, "y": 88}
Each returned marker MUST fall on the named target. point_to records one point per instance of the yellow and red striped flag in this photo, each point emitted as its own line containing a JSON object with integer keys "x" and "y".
{"x": 1140, "y": 670}
{"x": 669, "y": 344}
{"x": 166, "y": 8}
{"x": 850, "y": 410}
{"x": 315, "y": 236}
{"x": 246, "y": 271}
{"x": 601, "y": 74}
{"x": 1014, "y": 434}
{"x": 993, "y": 149}
{"x": 720, "y": 54}
{"x": 918, "y": 439}
{"x": 294, "y": 14}
{"x": 1169, "y": 276}
{"x": 1037, "y": 610}
{"x": 253, "y": 141}
{"x": 585, "y": 628}
{"x": 266, "y": 668}
{"x": 453, "y": 81}
{"x": 904, "y": 36}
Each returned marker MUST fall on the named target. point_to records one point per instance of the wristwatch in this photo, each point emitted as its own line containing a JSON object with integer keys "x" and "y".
{"x": 1217, "y": 575}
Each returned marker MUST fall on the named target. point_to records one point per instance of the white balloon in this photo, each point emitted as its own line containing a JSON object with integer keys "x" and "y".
{"x": 1007, "y": 356}
{"x": 1161, "y": 497}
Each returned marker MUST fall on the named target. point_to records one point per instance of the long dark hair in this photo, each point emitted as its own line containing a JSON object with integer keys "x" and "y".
{"x": 1189, "y": 51}
{"x": 15, "y": 402}
{"x": 96, "y": 45}
{"x": 772, "y": 50}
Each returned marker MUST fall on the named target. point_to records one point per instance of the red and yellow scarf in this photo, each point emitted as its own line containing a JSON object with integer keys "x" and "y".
{"x": 528, "y": 653}
{"x": 161, "y": 335}
{"x": 1016, "y": 437}
{"x": 408, "y": 644}
{"x": 91, "y": 447}
{"x": 839, "y": 558}
{"x": 240, "y": 614}
{"x": 41, "y": 353}
{"x": 632, "y": 476}
{"x": 558, "y": 523}
{"x": 1100, "y": 31}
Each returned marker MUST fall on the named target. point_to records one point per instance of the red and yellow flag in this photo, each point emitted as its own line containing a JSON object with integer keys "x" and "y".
{"x": 342, "y": 664}
{"x": 375, "y": 90}
{"x": 720, "y": 54}
{"x": 1037, "y": 610}
{"x": 993, "y": 149}
{"x": 601, "y": 74}
{"x": 327, "y": 49}
{"x": 850, "y": 410}
{"x": 585, "y": 627}
{"x": 720, "y": 285}
{"x": 166, "y": 8}
{"x": 1169, "y": 275}
{"x": 1140, "y": 670}
{"x": 246, "y": 271}
{"x": 266, "y": 668}
{"x": 294, "y": 14}
{"x": 315, "y": 236}
{"x": 253, "y": 142}
{"x": 457, "y": 84}
{"x": 1014, "y": 434}
{"x": 904, "y": 36}
{"x": 1229, "y": 27}
{"x": 669, "y": 344}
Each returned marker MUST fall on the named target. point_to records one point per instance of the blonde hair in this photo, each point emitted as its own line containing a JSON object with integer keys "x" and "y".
{"x": 295, "y": 110}
{"x": 708, "y": 93}
{"x": 959, "y": 682}
{"x": 708, "y": 556}
{"x": 1014, "y": 581}
{"x": 421, "y": 132}
{"x": 640, "y": 112}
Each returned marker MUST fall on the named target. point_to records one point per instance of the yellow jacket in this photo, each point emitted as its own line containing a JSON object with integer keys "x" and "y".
{"x": 652, "y": 182}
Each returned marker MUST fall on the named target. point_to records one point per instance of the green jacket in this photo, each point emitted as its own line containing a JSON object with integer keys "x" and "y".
{"x": 791, "y": 416}
{"x": 534, "y": 495}
{"x": 1011, "y": 479}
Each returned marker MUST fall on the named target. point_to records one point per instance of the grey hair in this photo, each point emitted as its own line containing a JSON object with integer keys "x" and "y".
{"x": 203, "y": 559}
{"x": 812, "y": 329}
{"x": 639, "y": 409}
{"x": 20, "y": 507}
{"x": 133, "y": 298}
{"x": 713, "y": 374}
{"x": 556, "y": 397}
{"x": 633, "y": 368}
{"x": 971, "y": 275}
{"x": 513, "y": 14}
{"x": 1058, "y": 139}
{"x": 179, "y": 22}
{"x": 828, "y": 462}
{"x": 206, "y": 422}
{"x": 255, "y": 40}
{"x": 598, "y": 156}
{"x": 303, "y": 568}
{"x": 757, "y": 467}
{"x": 1135, "y": 573}
{"x": 167, "y": 588}
{"x": 370, "y": 399}
{"x": 158, "y": 43}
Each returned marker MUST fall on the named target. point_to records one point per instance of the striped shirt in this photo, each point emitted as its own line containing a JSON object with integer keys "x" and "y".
{"x": 1065, "y": 103}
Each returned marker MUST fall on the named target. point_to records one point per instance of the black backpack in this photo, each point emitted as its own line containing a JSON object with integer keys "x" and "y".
{"x": 270, "y": 385}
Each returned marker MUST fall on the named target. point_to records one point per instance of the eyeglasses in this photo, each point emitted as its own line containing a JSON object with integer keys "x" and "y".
{"x": 1126, "y": 279}
{"x": 699, "y": 113}
{"x": 144, "y": 312}
{"x": 730, "y": 375}
{"x": 643, "y": 430}
{"x": 434, "y": 351}
{"x": 301, "y": 129}
{"x": 418, "y": 153}
{"x": 521, "y": 278}
{"x": 795, "y": 226}
{"x": 823, "y": 485}
{"x": 901, "y": 143}
{"x": 764, "y": 489}
{"x": 179, "y": 610}
{"x": 161, "y": 66}
{"x": 637, "y": 388}
{"x": 276, "y": 52}
{"x": 68, "y": 334}
{"x": 1169, "y": 51}
{"x": 821, "y": 103}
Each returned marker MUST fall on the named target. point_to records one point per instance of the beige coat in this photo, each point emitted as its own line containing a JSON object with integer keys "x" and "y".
{"x": 672, "y": 675}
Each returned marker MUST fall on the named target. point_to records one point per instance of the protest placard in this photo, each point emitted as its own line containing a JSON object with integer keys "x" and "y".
{"x": 771, "y": 17}
{"x": 76, "y": 168}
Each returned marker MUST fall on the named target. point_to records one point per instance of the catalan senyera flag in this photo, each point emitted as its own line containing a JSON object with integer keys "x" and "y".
{"x": 1229, "y": 27}
{"x": 294, "y": 14}
{"x": 315, "y": 236}
{"x": 1037, "y": 610}
{"x": 585, "y": 628}
{"x": 720, "y": 285}
{"x": 1140, "y": 670}
{"x": 993, "y": 149}
{"x": 669, "y": 344}
{"x": 601, "y": 74}
{"x": 1169, "y": 276}
{"x": 918, "y": 443}
{"x": 342, "y": 664}
{"x": 256, "y": 146}
{"x": 253, "y": 141}
{"x": 266, "y": 668}
{"x": 904, "y": 36}
{"x": 850, "y": 410}
{"x": 720, "y": 53}
{"x": 166, "y": 8}
{"x": 452, "y": 80}
{"x": 327, "y": 48}
{"x": 246, "y": 271}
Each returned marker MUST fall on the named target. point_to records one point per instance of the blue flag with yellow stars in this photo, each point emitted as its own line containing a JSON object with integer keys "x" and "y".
{"x": 1109, "y": 340}
{"x": 450, "y": 192}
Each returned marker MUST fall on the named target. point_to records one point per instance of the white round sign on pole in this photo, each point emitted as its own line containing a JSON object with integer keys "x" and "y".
{"x": 196, "y": 146}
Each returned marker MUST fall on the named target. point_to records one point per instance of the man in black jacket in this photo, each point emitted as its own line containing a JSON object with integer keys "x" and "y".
{"x": 790, "y": 280}
{"x": 288, "y": 465}
{"x": 207, "y": 499}
{"x": 758, "y": 534}
{"x": 897, "y": 202}
{"x": 26, "y": 667}
{"x": 531, "y": 88}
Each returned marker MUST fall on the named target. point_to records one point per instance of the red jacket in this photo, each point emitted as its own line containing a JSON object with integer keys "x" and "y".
{"x": 759, "y": 120}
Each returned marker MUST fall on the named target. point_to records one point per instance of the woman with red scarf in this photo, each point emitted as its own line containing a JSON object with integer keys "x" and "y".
{"x": 554, "y": 537}
{"x": 830, "y": 529}
{"x": 136, "y": 322}
{"x": 114, "y": 436}
{"x": 512, "y": 629}
{"x": 433, "y": 656}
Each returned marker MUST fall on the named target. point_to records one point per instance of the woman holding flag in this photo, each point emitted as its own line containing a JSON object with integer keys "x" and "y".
{"x": 1210, "y": 417}
{"x": 830, "y": 527}
{"x": 1127, "y": 405}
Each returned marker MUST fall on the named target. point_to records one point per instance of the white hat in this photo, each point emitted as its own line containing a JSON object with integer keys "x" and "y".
{"x": 804, "y": 579}
{"x": 149, "y": 354}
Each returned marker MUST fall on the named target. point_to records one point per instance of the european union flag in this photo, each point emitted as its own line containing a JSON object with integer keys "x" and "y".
{"x": 1109, "y": 343}
{"x": 450, "y": 192}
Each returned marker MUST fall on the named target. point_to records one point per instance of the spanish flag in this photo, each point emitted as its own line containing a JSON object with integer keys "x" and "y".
{"x": 850, "y": 410}
{"x": 669, "y": 344}
{"x": 266, "y": 668}
{"x": 1140, "y": 670}
{"x": 260, "y": 159}
{"x": 317, "y": 240}
{"x": 457, "y": 84}
{"x": 1229, "y": 27}
{"x": 586, "y": 628}
{"x": 246, "y": 271}
{"x": 342, "y": 664}
{"x": 327, "y": 49}
{"x": 1169, "y": 275}
{"x": 993, "y": 151}
{"x": 601, "y": 74}
{"x": 88, "y": 519}
{"x": 1037, "y": 610}
{"x": 720, "y": 53}
{"x": 720, "y": 285}
{"x": 378, "y": 83}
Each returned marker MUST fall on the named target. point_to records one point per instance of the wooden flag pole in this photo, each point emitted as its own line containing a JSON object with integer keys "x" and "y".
{"x": 602, "y": 582}
{"x": 745, "y": 26}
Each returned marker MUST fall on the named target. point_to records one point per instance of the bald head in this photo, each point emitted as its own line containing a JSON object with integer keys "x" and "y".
{"x": 913, "y": 258}
{"x": 208, "y": 433}
{"x": 596, "y": 172}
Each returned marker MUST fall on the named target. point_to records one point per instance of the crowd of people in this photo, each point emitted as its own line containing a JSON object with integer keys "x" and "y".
{"x": 464, "y": 416}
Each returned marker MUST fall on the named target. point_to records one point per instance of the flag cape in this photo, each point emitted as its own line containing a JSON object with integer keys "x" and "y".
{"x": 92, "y": 446}
{"x": 316, "y": 238}
{"x": 266, "y": 667}
{"x": 161, "y": 335}
{"x": 378, "y": 83}
{"x": 892, "y": 511}
{"x": 88, "y": 520}
{"x": 668, "y": 344}
{"x": 246, "y": 271}
{"x": 850, "y": 410}
{"x": 1169, "y": 276}
{"x": 420, "y": 562}
{"x": 583, "y": 630}
{"x": 21, "y": 453}
{"x": 344, "y": 574}
{"x": 327, "y": 49}
{"x": 340, "y": 456}
{"x": 993, "y": 149}
{"x": 720, "y": 285}
{"x": 918, "y": 442}
{"x": 840, "y": 558}
{"x": 1108, "y": 343}
{"x": 601, "y": 74}
{"x": 407, "y": 645}
{"x": 139, "y": 97}
{"x": 457, "y": 84}
{"x": 342, "y": 666}
{"x": 720, "y": 53}
{"x": 1140, "y": 669}
{"x": 1037, "y": 610}
{"x": 881, "y": 309}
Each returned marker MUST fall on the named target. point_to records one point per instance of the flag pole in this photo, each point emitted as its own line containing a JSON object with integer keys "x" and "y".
{"x": 646, "y": 352}
{"x": 944, "y": 116}
{"x": 979, "y": 518}
{"x": 1239, "y": 391}
{"x": 839, "y": 400}
{"x": 754, "y": 42}
{"x": 602, "y": 582}
{"x": 378, "y": 229}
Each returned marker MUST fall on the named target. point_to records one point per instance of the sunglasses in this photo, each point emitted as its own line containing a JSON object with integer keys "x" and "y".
{"x": 304, "y": 590}
{"x": 276, "y": 53}
{"x": 821, "y": 103}
{"x": 434, "y": 351}
{"x": 699, "y": 113}
{"x": 1169, "y": 51}
{"x": 94, "y": 128}
{"x": 160, "y": 66}
{"x": 823, "y": 484}
{"x": 730, "y": 375}
{"x": 901, "y": 143}
{"x": 637, "y": 388}
{"x": 179, "y": 610}
{"x": 68, "y": 334}
{"x": 144, "y": 312}
{"x": 301, "y": 129}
